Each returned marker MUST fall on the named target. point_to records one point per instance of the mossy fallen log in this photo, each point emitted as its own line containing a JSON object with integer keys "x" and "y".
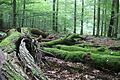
{"x": 98, "y": 60}
{"x": 68, "y": 40}
{"x": 100, "y": 50}
{"x": 8, "y": 43}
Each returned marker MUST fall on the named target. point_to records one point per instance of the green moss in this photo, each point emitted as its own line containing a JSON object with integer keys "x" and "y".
{"x": 99, "y": 60}
{"x": 101, "y": 50}
{"x": 8, "y": 43}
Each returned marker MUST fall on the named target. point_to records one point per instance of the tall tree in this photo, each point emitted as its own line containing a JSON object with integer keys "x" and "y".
{"x": 98, "y": 19}
{"x": 105, "y": 22}
{"x": 102, "y": 22}
{"x": 54, "y": 13}
{"x": 116, "y": 18}
{"x": 57, "y": 8}
{"x": 113, "y": 26}
{"x": 75, "y": 9}
{"x": 14, "y": 13}
{"x": 94, "y": 22}
{"x": 82, "y": 16}
{"x": 1, "y": 20}
{"x": 65, "y": 16}
{"x": 23, "y": 14}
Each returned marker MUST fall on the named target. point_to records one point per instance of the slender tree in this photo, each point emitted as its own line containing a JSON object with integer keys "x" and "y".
{"x": 98, "y": 19}
{"x": 1, "y": 20}
{"x": 57, "y": 8}
{"x": 65, "y": 16}
{"x": 75, "y": 9}
{"x": 102, "y": 22}
{"x": 14, "y": 13}
{"x": 23, "y": 14}
{"x": 82, "y": 16}
{"x": 94, "y": 22}
{"x": 54, "y": 13}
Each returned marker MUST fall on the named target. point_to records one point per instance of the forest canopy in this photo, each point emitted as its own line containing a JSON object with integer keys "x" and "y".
{"x": 65, "y": 15}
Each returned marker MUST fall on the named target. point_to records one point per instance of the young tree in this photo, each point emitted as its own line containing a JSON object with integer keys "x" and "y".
{"x": 75, "y": 9}
{"x": 102, "y": 22}
{"x": 65, "y": 17}
{"x": 23, "y": 14}
{"x": 105, "y": 22}
{"x": 14, "y": 13}
{"x": 54, "y": 13}
{"x": 82, "y": 16}
{"x": 98, "y": 19}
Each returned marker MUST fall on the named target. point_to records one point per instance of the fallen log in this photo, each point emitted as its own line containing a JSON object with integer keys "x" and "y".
{"x": 96, "y": 60}
{"x": 38, "y": 32}
{"x": 8, "y": 44}
{"x": 68, "y": 40}
{"x": 100, "y": 50}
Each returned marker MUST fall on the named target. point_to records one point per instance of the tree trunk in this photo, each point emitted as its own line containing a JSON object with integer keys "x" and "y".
{"x": 113, "y": 27}
{"x": 82, "y": 15}
{"x": 23, "y": 14}
{"x": 54, "y": 13}
{"x": 65, "y": 17}
{"x": 56, "y": 29}
{"x": 75, "y": 16}
{"x": 98, "y": 19}
{"x": 105, "y": 25}
{"x": 94, "y": 23}
{"x": 14, "y": 13}
{"x": 116, "y": 18}
{"x": 1, "y": 20}
{"x": 102, "y": 22}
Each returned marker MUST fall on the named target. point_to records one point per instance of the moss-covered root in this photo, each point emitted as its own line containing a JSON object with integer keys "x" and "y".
{"x": 106, "y": 61}
{"x": 100, "y": 50}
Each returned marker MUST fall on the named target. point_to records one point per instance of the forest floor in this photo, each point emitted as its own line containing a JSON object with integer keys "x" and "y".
{"x": 57, "y": 69}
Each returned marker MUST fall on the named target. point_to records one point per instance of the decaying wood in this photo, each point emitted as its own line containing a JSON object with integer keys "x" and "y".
{"x": 39, "y": 32}
{"x": 68, "y": 40}
{"x": 21, "y": 63}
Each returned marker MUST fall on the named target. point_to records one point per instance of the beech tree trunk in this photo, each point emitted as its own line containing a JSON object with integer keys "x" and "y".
{"x": 14, "y": 13}
{"x": 23, "y": 14}
{"x": 113, "y": 26}
{"x": 82, "y": 16}
{"x": 94, "y": 24}
{"x": 75, "y": 9}
{"x": 98, "y": 19}
{"x": 54, "y": 13}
